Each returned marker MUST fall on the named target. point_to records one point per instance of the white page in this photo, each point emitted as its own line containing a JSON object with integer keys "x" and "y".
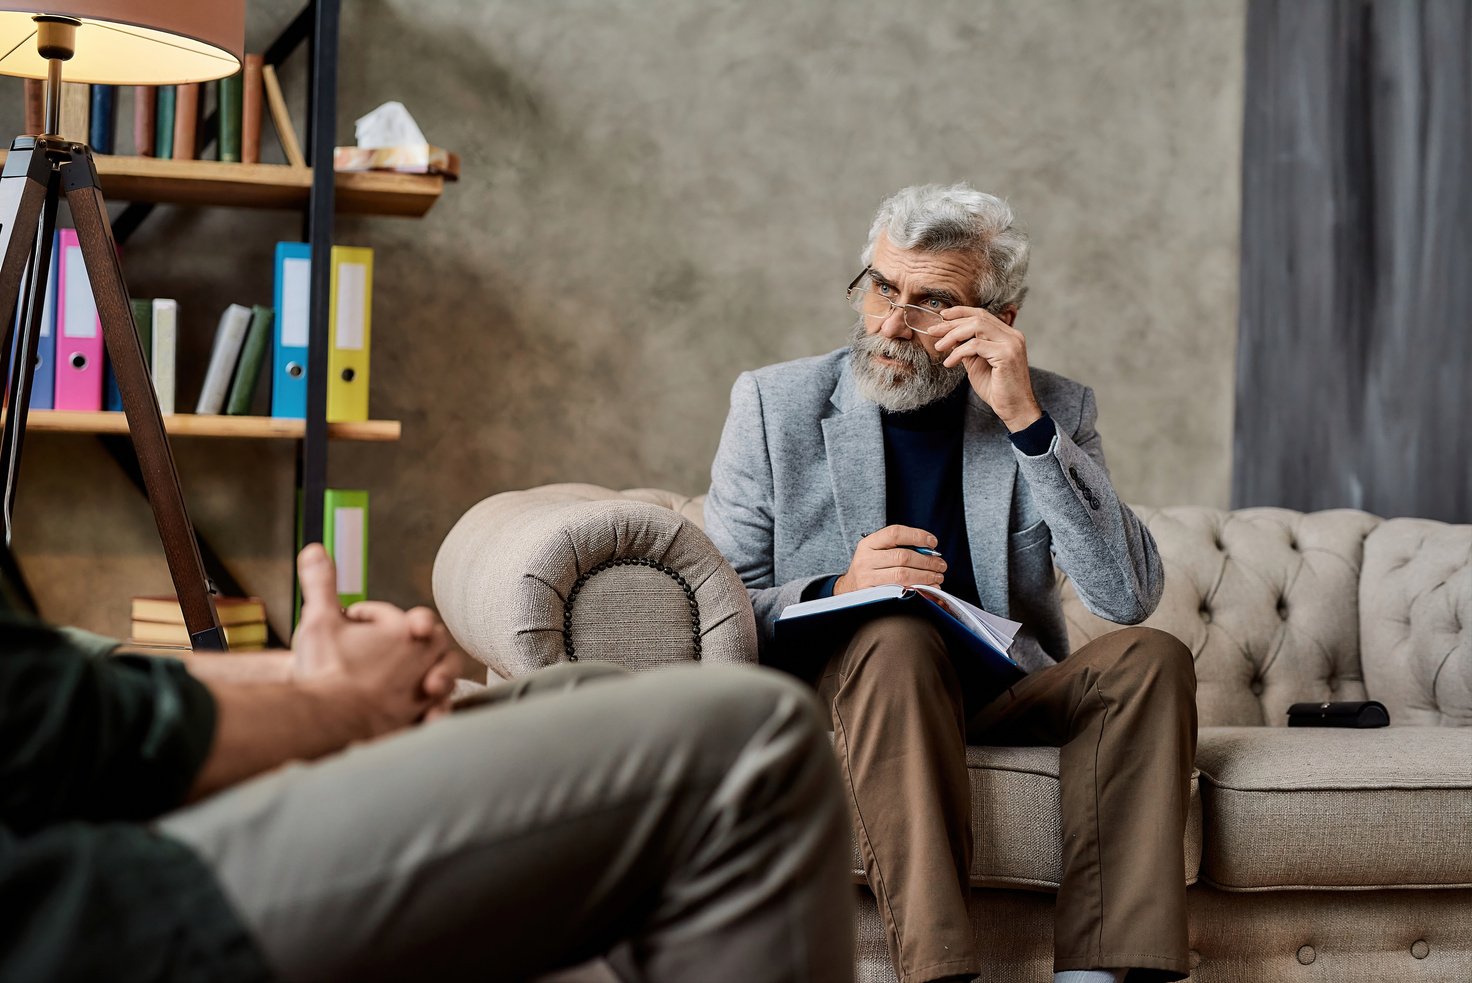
{"x": 838, "y": 602}
{"x": 1001, "y": 626}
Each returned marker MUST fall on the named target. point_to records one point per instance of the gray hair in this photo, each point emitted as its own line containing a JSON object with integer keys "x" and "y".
{"x": 959, "y": 218}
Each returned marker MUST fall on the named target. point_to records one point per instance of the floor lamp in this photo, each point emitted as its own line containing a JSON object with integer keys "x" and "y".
{"x": 114, "y": 42}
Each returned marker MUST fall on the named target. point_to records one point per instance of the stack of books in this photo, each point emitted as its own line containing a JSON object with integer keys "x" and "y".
{"x": 158, "y": 622}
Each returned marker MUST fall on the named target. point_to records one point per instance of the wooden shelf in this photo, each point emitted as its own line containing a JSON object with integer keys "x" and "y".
{"x": 190, "y": 425}
{"x": 213, "y": 182}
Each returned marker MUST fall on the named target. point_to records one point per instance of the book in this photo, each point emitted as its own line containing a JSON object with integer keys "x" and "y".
{"x": 228, "y": 337}
{"x": 35, "y": 90}
{"x": 981, "y": 639}
{"x": 248, "y": 374}
{"x": 236, "y": 636}
{"x": 76, "y": 111}
{"x": 143, "y": 323}
{"x": 102, "y": 118}
{"x": 229, "y": 95}
{"x": 186, "y": 120}
{"x": 350, "y": 335}
{"x": 163, "y": 146}
{"x": 285, "y": 132}
{"x": 251, "y": 96}
{"x": 229, "y": 610}
{"x": 165, "y": 343}
{"x": 145, "y": 120}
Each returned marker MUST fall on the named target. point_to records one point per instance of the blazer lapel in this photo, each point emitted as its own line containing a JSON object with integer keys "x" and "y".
{"x": 854, "y": 441}
{"x": 989, "y": 470}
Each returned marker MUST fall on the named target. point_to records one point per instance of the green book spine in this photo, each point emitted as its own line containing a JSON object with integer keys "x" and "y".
{"x": 143, "y": 321}
{"x": 163, "y": 139}
{"x": 231, "y": 94}
{"x": 248, "y": 372}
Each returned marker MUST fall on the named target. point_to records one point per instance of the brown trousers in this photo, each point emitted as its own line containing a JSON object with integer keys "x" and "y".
{"x": 1122, "y": 709}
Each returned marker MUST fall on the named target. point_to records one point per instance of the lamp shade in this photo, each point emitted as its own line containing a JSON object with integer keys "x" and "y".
{"x": 131, "y": 42}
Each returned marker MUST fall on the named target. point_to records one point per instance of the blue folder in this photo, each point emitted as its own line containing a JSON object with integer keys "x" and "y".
{"x": 43, "y": 387}
{"x": 293, "y": 314}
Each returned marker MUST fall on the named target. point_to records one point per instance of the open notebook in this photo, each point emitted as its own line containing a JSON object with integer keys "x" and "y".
{"x": 966, "y": 628}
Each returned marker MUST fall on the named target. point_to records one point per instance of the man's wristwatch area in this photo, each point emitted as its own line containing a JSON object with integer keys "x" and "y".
{"x": 1035, "y": 439}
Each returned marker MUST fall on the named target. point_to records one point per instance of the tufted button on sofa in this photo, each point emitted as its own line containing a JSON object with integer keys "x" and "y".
{"x": 1311, "y": 853}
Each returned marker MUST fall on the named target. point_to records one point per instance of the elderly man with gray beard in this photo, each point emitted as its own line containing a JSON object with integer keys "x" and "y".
{"x": 931, "y": 431}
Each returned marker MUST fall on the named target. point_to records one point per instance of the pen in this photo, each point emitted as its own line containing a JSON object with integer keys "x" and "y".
{"x": 922, "y": 550}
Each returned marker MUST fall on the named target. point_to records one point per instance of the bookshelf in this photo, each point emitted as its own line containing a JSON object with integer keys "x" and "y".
{"x": 210, "y": 425}
{"x": 275, "y": 186}
{"x": 317, "y": 194}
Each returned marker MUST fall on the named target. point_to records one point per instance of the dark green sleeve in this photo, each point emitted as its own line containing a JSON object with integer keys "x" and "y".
{"x": 94, "y": 737}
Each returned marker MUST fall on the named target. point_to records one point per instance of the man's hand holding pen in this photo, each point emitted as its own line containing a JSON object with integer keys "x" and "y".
{"x": 893, "y": 555}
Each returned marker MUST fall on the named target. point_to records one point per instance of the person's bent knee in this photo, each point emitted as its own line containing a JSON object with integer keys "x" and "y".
{"x": 898, "y": 659}
{"x": 1156, "y": 653}
{"x": 732, "y": 703}
{"x": 756, "y": 686}
{"x": 896, "y": 644}
{"x": 909, "y": 631}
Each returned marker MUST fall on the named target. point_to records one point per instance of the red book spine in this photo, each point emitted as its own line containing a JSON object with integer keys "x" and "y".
{"x": 145, "y": 119}
{"x": 250, "y": 116}
{"x": 186, "y": 120}
{"x": 35, "y": 107}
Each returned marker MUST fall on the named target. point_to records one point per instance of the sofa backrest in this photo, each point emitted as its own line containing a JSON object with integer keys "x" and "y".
{"x": 1416, "y": 621}
{"x": 1266, "y": 599}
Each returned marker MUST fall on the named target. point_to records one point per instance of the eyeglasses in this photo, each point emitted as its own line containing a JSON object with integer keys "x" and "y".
{"x": 872, "y": 298}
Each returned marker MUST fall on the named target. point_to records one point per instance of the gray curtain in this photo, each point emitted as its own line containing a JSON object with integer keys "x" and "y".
{"x": 1354, "y": 358}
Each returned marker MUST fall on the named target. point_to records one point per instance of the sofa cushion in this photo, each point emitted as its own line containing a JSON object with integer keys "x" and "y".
{"x": 1332, "y": 808}
{"x": 1016, "y": 820}
{"x": 1416, "y": 621}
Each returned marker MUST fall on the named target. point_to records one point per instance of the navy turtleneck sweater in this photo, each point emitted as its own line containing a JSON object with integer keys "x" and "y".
{"x": 922, "y": 468}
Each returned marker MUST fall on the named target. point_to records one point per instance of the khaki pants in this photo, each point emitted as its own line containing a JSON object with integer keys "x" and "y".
{"x": 1122, "y": 709}
{"x": 691, "y": 818}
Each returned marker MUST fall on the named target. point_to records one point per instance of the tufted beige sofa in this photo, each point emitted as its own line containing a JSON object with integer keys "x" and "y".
{"x": 1313, "y": 855}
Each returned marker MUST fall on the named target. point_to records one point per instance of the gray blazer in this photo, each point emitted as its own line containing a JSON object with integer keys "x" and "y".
{"x": 799, "y": 479}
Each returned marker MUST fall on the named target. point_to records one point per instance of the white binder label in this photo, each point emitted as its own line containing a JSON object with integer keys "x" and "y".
{"x": 352, "y": 279}
{"x": 347, "y": 544}
{"x": 81, "y": 309}
{"x": 48, "y": 308}
{"x": 296, "y": 292}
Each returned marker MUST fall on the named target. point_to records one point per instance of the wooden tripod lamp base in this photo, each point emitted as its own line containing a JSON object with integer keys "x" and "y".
{"x": 116, "y": 42}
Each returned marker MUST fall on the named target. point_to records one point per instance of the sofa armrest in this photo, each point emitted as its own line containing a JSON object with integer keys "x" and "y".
{"x": 530, "y": 578}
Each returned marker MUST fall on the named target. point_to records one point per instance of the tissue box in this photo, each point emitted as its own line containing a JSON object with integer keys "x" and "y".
{"x": 417, "y": 158}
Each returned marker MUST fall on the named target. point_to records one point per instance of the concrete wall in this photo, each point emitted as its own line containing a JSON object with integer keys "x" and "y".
{"x": 658, "y": 195}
